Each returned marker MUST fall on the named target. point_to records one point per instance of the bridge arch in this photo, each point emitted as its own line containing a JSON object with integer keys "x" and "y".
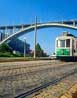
{"x": 39, "y": 26}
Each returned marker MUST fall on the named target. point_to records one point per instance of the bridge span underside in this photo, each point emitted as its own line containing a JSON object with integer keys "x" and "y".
{"x": 39, "y": 26}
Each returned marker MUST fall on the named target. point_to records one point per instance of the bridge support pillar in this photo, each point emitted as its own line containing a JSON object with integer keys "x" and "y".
{"x": 13, "y": 31}
{"x": 73, "y": 23}
{"x": 6, "y": 32}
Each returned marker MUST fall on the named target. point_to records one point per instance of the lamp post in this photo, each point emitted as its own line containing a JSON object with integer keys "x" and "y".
{"x": 35, "y": 31}
{"x": 24, "y": 47}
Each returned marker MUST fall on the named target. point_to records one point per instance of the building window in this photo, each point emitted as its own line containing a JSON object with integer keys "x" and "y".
{"x": 67, "y": 42}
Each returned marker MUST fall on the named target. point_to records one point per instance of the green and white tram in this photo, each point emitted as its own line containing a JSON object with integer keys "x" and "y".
{"x": 66, "y": 47}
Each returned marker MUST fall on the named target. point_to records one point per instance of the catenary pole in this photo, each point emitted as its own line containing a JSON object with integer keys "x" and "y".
{"x": 35, "y": 31}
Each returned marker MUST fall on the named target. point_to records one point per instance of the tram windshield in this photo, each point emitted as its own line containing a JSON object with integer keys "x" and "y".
{"x": 62, "y": 43}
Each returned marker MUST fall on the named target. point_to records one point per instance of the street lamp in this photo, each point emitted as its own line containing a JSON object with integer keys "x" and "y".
{"x": 24, "y": 47}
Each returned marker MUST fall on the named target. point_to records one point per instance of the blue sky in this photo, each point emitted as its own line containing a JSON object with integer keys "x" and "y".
{"x": 23, "y": 11}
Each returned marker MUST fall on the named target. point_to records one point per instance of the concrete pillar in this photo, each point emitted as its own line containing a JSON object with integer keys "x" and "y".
{"x": 13, "y": 30}
{"x": 73, "y": 23}
{"x": 35, "y": 37}
{"x": 5, "y": 32}
{"x": 22, "y": 27}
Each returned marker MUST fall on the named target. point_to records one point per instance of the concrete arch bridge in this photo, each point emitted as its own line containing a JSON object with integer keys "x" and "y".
{"x": 18, "y": 30}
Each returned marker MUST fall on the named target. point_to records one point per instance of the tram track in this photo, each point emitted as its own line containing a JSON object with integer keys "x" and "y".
{"x": 5, "y": 68}
{"x": 32, "y": 72}
{"x": 26, "y": 77}
{"x": 13, "y": 67}
{"x": 52, "y": 82}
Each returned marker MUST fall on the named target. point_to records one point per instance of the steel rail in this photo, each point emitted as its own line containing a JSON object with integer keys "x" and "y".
{"x": 53, "y": 82}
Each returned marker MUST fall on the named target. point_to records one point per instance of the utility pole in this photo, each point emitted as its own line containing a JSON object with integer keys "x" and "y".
{"x": 35, "y": 31}
{"x": 24, "y": 48}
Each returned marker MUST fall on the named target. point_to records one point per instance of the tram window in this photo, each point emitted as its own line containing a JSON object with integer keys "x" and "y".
{"x": 62, "y": 43}
{"x": 58, "y": 43}
{"x": 68, "y": 43}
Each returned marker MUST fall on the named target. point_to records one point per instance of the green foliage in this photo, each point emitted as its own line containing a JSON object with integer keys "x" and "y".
{"x": 5, "y": 48}
{"x": 39, "y": 51}
{"x": 6, "y": 51}
{"x": 18, "y": 55}
{"x": 6, "y": 54}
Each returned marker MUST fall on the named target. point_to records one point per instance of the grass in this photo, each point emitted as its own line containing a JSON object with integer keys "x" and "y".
{"x": 13, "y": 59}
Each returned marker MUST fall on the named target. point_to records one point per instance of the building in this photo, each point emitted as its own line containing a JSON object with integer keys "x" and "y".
{"x": 18, "y": 45}
{"x": 2, "y": 36}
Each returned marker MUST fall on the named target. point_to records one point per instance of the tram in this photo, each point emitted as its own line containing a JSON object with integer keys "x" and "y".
{"x": 66, "y": 47}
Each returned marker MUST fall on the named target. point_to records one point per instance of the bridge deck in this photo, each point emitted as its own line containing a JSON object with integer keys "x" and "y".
{"x": 26, "y": 25}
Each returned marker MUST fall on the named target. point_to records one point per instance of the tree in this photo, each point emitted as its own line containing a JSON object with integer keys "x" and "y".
{"x": 39, "y": 51}
{"x": 6, "y": 51}
{"x": 5, "y": 48}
